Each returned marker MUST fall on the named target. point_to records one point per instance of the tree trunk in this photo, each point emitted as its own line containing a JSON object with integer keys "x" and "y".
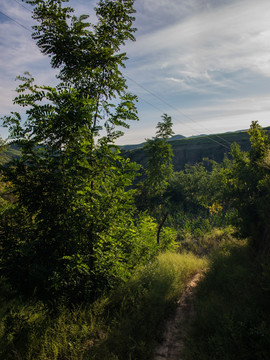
{"x": 163, "y": 219}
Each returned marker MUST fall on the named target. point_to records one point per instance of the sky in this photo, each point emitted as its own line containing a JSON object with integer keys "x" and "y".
{"x": 206, "y": 63}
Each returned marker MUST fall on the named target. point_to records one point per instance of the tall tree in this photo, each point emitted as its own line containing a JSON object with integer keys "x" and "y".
{"x": 70, "y": 181}
{"x": 158, "y": 171}
{"x": 248, "y": 187}
{"x": 159, "y": 165}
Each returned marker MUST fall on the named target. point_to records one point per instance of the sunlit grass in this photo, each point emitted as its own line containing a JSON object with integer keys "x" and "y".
{"x": 207, "y": 243}
{"x": 128, "y": 323}
{"x": 140, "y": 307}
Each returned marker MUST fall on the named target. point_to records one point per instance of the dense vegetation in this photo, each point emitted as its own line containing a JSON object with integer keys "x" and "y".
{"x": 93, "y": 261}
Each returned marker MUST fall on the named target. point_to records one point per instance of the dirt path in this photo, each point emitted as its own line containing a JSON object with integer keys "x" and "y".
{"x": 174, "y": 335}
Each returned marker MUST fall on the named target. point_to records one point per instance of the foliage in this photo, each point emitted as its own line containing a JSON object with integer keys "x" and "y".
{"x": 30, "y": 331}
{"x": 159, "y": 169}
{"x": 5, "y": 186}
{"x": 159, "y": 164}
{"x": 190, "y": 190}
{"x": 198, "y": 208}
{"x": 145, "y": 302}
{"x": 69, "y": 230}
{"x": 232, "y": 310}
{"x": 73, "y": 208}
{"x": 2, "y": 145}
{"x": 234, "y": 192}
{"x": 164, "y": 128}
{"x": 248, "y": 188}
{"x": 204, "y": 240}
{"x": 199, "y": 189}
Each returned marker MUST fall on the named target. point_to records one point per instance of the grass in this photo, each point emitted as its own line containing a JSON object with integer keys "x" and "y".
{"x": 233, "y": 312}
{"x": 31, "y": 332}
{"x": 145, "y": 301}
{"x": 206, "y": 243}
{"x": 126, "y": 324}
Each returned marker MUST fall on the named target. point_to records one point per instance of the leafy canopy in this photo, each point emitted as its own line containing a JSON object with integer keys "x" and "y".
{"x": 73, "y": 215}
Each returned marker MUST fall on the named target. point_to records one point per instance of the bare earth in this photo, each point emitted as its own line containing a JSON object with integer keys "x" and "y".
{"x": 174, "y": 335}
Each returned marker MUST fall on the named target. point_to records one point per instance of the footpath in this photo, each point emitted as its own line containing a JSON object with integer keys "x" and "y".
{"x": 174, "y": 335}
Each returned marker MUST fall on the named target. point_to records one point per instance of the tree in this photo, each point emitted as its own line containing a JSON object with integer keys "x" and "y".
{"x": 159, "y": 165}
{"x": 71, "y": 181}
{"x": 158, "y": 171}
{"x": 5, "y": 199}
{"x": 248, "y": 188}
{"x": 164, "y": 128}
{"x": 190, "y": 189}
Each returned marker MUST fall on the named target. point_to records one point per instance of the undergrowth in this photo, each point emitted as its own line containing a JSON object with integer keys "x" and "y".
{"x": 205, "y": 242}
{"x": 127, "y": 324}
{"x": 145, "y": 302}
{"x": 232, "y": 307}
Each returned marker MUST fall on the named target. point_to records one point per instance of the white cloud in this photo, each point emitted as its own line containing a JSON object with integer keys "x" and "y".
{"x": 232, "y": 106}
{"x": 228, "y": 38}
{"x": 223, "y": 115}
{"x": 18, "y": 54}
{"x": 210, "y": 55}
{"x": 216, "y": 117}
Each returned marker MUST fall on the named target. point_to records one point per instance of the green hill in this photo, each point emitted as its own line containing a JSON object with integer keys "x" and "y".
{"x": 194, "y": 149}
{"x": 10, "y": 152}
{"x": 188, "y": 150}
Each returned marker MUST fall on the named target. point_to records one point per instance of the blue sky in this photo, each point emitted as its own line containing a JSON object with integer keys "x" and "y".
{"x": 206, "y": 63}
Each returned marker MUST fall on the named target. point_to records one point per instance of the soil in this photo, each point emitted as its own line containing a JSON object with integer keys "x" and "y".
{"x": 174, "y": 335}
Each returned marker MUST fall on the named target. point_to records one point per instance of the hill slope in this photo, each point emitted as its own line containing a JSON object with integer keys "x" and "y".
{"x": 194, "y": 149}
{"x": 186, "y": 150}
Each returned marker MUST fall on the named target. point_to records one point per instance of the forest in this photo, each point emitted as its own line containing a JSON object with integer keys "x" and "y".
{"x": 95, "y": 249}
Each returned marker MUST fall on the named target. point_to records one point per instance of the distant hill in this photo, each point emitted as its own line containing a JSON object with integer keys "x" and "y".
{"x": 136, "y": 146}
{"x": 12, "y": 151}
{"x": 131, "y": 147}
{"x": 187, "y": 150}
{"x": 176, "y": 137}
{"x": 194, "y": 149}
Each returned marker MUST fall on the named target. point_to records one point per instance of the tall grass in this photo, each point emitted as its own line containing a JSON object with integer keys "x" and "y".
{"x": 139, "y": 308}
{"x": 233, "y": 310}
{"x": 31, "y": 332}
{"x": 127, "y": 324}
{"x": 207, "y": 242}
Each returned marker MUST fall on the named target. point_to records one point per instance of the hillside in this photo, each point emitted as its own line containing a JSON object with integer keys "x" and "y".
{"x": 188, "y": 150}
{"x": 194, "y": 149}
{"x": 137, "y": 146}
{"x": 11, "y": 152}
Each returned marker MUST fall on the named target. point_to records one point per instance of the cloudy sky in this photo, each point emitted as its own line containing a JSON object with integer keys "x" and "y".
{"x": 206, "y": 63}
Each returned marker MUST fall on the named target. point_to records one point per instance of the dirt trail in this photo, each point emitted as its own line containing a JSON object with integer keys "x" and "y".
{"x": 174, "y": 335}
